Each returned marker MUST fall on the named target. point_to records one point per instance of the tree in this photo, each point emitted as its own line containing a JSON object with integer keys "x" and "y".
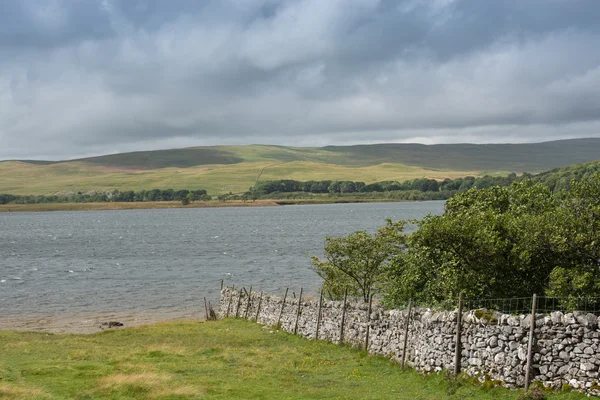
{"x": 576, "y": 237}
{"x": 489, "y": 243}
{"x": 358, "y": 262}
{"x": 504, "y": 242}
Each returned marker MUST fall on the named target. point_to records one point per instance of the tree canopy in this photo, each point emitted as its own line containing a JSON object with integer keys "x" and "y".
{"x": 496, "y": 242}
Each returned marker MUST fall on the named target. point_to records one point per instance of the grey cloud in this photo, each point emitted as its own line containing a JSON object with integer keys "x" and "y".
{"x": 85, "y": 77}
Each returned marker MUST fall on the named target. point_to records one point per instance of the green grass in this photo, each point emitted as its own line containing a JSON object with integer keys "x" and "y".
{"x": 24, "y": 178}
{"x": 231, "y": 359}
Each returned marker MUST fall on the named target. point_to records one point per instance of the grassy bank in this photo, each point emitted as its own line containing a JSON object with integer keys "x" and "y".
{"x": 217, "y": 360}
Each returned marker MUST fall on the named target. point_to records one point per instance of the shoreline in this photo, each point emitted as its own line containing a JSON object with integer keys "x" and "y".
{"x": 85, "y": 324}
{"x": 6, "y": 208}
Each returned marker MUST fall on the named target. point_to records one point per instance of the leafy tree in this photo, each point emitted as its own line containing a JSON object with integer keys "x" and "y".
{"x": 358, "y": 262}
{"x": 504, "y": 242}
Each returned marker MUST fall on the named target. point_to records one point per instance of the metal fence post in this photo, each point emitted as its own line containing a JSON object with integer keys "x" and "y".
{"x": 319, "y": 316}
{"x": 368, "y": 323}
{"x": 237, "y": 309}
{"x": 282, "y": 305}
{"x": 457, "y": 342}
{"x": 298, "y": 312}
{"x": 205, "y": 309}
{"x": 406, "y": 325}
{"x": 248, "y": 303}
{"x": 530, "y": 343}
{"x": 259, "y": 304}
{"x": 229, "y": 302}
{"x": 343, "y": 316}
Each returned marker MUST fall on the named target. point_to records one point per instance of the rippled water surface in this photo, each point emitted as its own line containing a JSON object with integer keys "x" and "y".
{"x": 65, "y": 271}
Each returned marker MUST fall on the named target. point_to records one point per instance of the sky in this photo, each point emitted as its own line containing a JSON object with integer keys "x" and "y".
{"x": 90, "y": 77}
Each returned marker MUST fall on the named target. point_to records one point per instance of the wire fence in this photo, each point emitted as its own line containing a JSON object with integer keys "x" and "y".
{"x": 545, "y": 304}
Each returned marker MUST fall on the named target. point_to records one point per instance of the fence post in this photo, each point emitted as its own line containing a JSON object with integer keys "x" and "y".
{"x": 298, "y": 312}
{"x": 343, "y": 316}
{"x": 205, "y": 309}
{"x": 319, "y": 316}
{"x": 229, "y": 302}
{"x": 282, "y": 305}
{"x": 237, "y": 309}
{"x": 221, "y": 284}
{"x": 248, "y": 303}
{"x": 211, "y": 313}
{"x": 259, "y": 303}
{"x": 457, "y": 342}
{"x": 530, "y": 343}
{"x": 368, "y": 323}
{"x": 406, "y": 325}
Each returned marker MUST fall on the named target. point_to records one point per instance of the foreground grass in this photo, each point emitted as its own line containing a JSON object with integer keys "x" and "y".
{"x": 231, "y": 359}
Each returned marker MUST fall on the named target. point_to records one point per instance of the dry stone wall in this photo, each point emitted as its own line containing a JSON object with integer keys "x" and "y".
{"x": 566, "y": 348}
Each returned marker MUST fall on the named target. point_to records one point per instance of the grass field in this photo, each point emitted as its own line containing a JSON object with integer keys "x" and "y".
{"x": 26, "y": 178}
{"x": 231, "y": 359}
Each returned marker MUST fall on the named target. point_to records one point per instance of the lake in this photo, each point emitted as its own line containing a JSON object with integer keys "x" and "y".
{"x": 69, "y": 271}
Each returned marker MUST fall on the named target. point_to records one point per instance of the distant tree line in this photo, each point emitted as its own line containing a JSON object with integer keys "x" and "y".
{"x": 183, "y": 195}
{"x": 449, "y": 186}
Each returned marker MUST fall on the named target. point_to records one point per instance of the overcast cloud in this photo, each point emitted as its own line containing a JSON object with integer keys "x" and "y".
{"x": 88, "y": 77}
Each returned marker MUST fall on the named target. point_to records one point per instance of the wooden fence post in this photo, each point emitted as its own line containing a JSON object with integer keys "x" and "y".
{"x": 281, "y": 310}
{"x": 319, "y": 316}
{"x": 406, "y": 325}
{"x": 343, "y": 317}
{"x": 221, "y": 284}
{"x": 237, "y": 309}
{"x": 259, "y": 304}
{"x": 248, "y": 303}
{"x": 457, "y": 344}
{"x": 530, "y": 343}
{"x": 229, "y": 302}
{"x": 298, "y": 312}
{"x": 368, "y": 323}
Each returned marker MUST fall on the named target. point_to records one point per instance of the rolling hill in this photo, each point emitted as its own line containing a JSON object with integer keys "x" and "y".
{"x": 220, "y": 169}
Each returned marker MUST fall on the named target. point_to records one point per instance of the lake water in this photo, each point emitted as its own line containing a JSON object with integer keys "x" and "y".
{"x": 69, "y": 271}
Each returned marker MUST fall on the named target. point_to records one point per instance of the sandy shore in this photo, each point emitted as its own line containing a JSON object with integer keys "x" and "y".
{"x": 177, "y": 204}
{"x": 91, "y": 323}
{"x": 131, "y": 205}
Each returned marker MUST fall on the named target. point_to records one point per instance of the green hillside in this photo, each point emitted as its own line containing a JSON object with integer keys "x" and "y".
{"x": 224, "y": 169}
{"x": 529, "y": 157}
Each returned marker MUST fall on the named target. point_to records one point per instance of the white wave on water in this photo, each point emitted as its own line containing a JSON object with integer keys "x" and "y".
{"x": 3, "y": 280}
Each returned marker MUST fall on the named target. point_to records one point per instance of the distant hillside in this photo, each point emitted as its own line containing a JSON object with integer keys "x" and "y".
{"x": 224, "y": 169}
{"x": 531, "y": 157}
{"x": 527, "y": 157}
